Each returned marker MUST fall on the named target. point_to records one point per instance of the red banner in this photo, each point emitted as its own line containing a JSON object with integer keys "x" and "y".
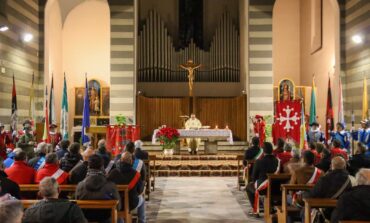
{"x": 117, "y": 137}
{"x": 288, "y": 120}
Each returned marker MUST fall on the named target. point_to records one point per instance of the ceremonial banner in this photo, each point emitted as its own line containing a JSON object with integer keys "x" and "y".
{"x": 64, "y": 115}
{"x": 288, "y": 120}
{"x": 46, "y": 135}
{"x": 14, "y": 116}
{"x": 313, "y": 103}
{"x": 32, "y": 113}
{"x": 85, "y": 140}
{"x": 52, "y": 117}
{"x": 365, "y": 108}
{"x": 329, "y": 113}
{"x": 303, "y": 135}
{"x": 340, "y": 105}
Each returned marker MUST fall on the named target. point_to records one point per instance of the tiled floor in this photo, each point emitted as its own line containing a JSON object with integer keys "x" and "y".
{"x": 198, "y": 199}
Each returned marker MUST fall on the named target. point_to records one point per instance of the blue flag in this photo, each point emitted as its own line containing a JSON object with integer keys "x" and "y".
{"x": 86, "y": 117}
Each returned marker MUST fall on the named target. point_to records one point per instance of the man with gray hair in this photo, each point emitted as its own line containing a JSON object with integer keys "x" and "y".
{"x": 52, "y": 209}
{"x": 139, "y": 152}
{"x": 38, "y": 161}
{"x": 355, "y": 204}
{"x": 11, "y": 211}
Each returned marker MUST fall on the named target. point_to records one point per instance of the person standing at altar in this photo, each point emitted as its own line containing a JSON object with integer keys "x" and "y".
{"x": 5, "y": 139}
{"x": 193, "y": 144}
{"x": 55, "y": 137}
{"x": 315, "y": 135}
{"x": 362, "y": 135}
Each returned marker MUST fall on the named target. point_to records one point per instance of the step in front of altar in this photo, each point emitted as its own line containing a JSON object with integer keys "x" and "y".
{"x": 196, "y": 165}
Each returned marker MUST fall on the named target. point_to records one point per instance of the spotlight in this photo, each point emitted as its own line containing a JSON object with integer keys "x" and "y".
{"x": 27, "y": 37}
{"x": 4, "y": 28}
{"x": 357, "y": 39}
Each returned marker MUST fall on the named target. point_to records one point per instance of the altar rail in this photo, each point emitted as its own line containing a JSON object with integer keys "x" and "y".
{"x": 154, "y": 112}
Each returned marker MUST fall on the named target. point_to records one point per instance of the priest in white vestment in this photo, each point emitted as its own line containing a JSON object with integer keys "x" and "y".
{"x": 193, "y": 144}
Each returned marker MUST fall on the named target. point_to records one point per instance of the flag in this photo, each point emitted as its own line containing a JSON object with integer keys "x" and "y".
{"x": 64, "y": 115}
{"x": 46, "y": 135}
{"x": 287, "y": 124}
{"x": 52, "y": 117}
{"x": 329, "y": 113}
{"x": 86, "y": 116}
{"x": 365, "y": 108}
{"x": 340, "y": 105}
{"x": 313, "y": 103}
{"x": 303, "y": 138}
{"x": 14, "y": 116}
{"x": 31, "y": 112}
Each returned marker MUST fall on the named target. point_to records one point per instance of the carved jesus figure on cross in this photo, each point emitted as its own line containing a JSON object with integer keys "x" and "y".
{"x": 190, "y": 66}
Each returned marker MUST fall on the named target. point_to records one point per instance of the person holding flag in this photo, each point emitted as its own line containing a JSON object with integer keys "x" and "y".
{"x": 55, "y": 137}
{"x": 85, "y": 140}
{"x": 315, "y": 135}
{"x": 343, "y": 136}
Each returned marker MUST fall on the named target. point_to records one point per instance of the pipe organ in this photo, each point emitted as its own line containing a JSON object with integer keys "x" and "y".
{"x": 158, "y": 59}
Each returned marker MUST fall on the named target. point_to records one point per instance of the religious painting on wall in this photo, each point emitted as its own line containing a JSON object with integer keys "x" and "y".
{"x": 79, "y": 100}
{"x": 286, "y": 90}
{"x": 94, "y": 97}
{"x": 105, "y": 101}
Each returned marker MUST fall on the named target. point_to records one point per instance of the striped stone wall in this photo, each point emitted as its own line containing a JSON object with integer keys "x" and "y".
{"x": 260, "y": 57}
{"x": 20, "y": 58}
{"x": 355, "y": 57}
{"x": 122, "y": 98}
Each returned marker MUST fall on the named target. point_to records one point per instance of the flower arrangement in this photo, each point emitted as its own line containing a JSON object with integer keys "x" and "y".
{"x": 168, "y": 137}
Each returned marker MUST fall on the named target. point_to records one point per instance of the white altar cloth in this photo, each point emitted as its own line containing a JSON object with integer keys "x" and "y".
{"x": 212, "y": 134}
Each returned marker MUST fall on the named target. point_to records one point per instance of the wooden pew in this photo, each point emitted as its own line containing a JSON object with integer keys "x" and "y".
{"x": 152, "y": 159}
{"x": 239, "y": 174}
{"x": 273, "y": 195}
{"x": 87, "y": 204}
{"x": 148, "y": 186}
{"x": 284, "y": 210}
{"x": 354, "y": 221}
{"x": 71, "y": 188}
{"x": 310, "y": 203}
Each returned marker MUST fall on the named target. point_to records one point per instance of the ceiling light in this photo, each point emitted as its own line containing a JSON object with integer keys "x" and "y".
{"x": 27, "y": 37}
{"x": 4, "y": 28}
{"x": 357, "y": 39}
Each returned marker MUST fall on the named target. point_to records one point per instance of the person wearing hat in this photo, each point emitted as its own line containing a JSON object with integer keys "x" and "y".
{"x": 362, "y": 135}
{"x": 55, "y": 137}
{"x": 27, "y": 141}
{"x": 343, "y": 136}
{"x": 5, "y": 139}
{"x": 315, "y": 135}
{"x": 259, "y": 127}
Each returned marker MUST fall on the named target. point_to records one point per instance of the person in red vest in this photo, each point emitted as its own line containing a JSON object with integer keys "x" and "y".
{"x": 336, "y": 150}
{"x": 51, "y": 169}
{"x": 285, "y": 156}
{"x": 55, "y": 137}
{"x": 20, "y": 172}
{"x": 5, "y": 139}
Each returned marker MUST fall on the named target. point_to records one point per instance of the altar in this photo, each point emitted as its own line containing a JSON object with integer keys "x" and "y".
{"x": 209, "y": 136}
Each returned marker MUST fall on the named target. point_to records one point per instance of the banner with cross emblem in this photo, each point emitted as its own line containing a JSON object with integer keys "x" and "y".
{"x": 287, "y": 120}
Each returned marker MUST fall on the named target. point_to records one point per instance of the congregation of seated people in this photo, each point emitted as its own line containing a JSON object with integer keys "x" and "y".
{"x": 334, "y": 173}
{"x": 95, "y": 173}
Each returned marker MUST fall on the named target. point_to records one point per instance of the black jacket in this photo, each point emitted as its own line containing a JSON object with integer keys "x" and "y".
{"x": 78, "y": 173}
{"x": 8, "y": 186}
{"x": 324, "y": 164}
{"x": 141, "y": 154}
{"x": 125, "y": 174}
{"x": 97, "y": 187}
{"x": 353, "y": 205}
{"x": 357, "y": 162}
{"x": 69, "y": 161}
{"x": 105, "y": 156}
{"x": 54, "y": 210}
{"x": 268, "y": 164}
{"x": 61, "y": 152}
{"x": 329, "y": 185}
{"x": 251, "y": 153}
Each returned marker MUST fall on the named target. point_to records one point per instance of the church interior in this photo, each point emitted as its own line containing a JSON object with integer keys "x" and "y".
{"x": 184, "y": 111}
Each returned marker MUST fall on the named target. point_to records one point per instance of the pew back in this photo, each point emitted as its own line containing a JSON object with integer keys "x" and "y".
{"x": 310, "y": 203}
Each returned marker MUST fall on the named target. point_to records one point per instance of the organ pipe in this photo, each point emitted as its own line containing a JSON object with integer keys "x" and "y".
{"x": 159, "y": 60}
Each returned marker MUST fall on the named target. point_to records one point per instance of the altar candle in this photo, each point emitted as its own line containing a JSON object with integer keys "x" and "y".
{"x": 227, "y": 127}
{"x": 216, "y": 127}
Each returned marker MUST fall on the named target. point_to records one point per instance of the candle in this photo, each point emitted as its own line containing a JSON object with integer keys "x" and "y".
{"x": 216, "y": 127}
{"x": 227, "y": 127}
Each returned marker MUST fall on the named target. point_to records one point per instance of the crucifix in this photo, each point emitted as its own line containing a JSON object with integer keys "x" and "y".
{"x": 190, "y": 66}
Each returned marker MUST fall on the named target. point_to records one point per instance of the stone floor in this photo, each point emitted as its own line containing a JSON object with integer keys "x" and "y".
{"x": 198, "y": 200}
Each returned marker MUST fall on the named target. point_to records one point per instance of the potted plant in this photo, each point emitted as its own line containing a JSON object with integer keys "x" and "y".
{"x": 168, "y": 137}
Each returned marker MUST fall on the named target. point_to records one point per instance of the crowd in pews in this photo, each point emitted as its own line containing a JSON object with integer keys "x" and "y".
{"x": 92, "y": 175}
{"x": 285, "y": 182}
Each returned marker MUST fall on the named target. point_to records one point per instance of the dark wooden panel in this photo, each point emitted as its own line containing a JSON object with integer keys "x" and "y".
{"x": 154, "y": 112}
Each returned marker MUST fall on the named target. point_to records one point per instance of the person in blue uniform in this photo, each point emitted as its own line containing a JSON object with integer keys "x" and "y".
{"x": 315, "y": 135}
{"x": 343, "y": 136}
{"x": 362, "y": 135}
